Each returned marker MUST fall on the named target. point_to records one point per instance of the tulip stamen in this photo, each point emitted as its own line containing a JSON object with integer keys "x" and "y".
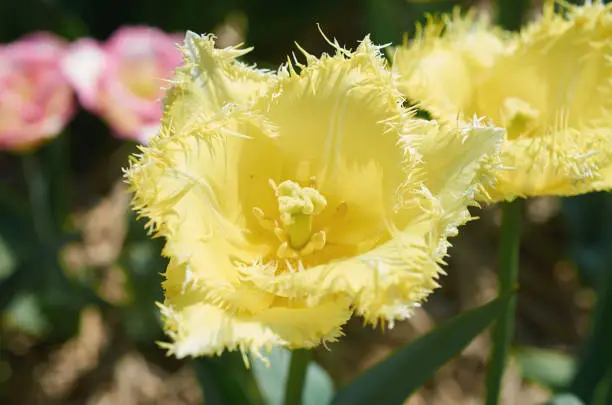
{"x": 297, "y": 206}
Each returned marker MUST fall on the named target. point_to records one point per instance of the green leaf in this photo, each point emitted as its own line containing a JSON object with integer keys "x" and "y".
{"x": 7, "y": 260}
{"x": 546, "y": 367}
{"x": 142, "y": 263}
{"x": 318, "y": 387}
{"x": 24, "y": 313}
{"x": 226, "y": 381}
{"x": 565, "y": 399}
{"x": 389, "y": 20}
{"x": 511, "y": 13}
{"x": 596, "y": 359}
{"x": 391, "y": 381}
{"x": 16, "y": 227}
{"x": 603, "y": 391}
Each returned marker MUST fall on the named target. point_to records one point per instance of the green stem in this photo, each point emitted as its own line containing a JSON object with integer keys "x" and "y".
{"x": 511, "y": 13}
{"x": 297, "y": 376}
{"x": 37, "y": 193}
{"x": 503, "y": 331}
{"x": 57, "y": 158}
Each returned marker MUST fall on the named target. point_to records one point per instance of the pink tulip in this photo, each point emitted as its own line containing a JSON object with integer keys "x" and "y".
{"x": 122, "y": 79}
{"x": 36, "y": 100}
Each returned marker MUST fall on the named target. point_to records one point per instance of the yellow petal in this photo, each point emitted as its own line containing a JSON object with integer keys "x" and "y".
{"x": 604, "y": 182}
{"x": 333, "y": 124}
{"x": 553, "y": 93}
{"x": 384, "y": 283}
{"x": 457, "y": 166}
{"x": 209, "y": 80}
{"x": 193, "y": 189}
{"x": 440, "y": 67}
{"x": 389, "y": 280}
{"x": 565, "y": 163}
{"x": 204, "y": 329}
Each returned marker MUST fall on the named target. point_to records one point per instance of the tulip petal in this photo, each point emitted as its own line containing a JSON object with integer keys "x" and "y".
{"x": 146, "y": 132}
{"x": 333, "y": 124}
{"x": 200, "y": 328}
{"x": 446, "y": 59}
{"x": 211, "y": 78}
{"x": 457, "y": 165}
{"x": 83, "y": 65}
{"x": 384, "y": 283}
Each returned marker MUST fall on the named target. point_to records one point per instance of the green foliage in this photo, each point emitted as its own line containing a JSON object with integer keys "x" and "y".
{"x": 318, "y": 387}
{"x": 589, "y": 221}
{"x": 565, "y": 399}
{"x": 395, "y": 378}
{"x": 225, "y": 381}
{"x": 548, "y": 368}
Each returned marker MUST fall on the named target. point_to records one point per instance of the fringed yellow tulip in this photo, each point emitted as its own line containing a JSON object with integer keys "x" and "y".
{"x": 550, "y": 87}
{"x": 290, "y": 201}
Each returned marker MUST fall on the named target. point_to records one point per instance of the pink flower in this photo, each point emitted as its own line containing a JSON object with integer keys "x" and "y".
{"x": 122, "y": 79}
{"x": 36, "y": 100}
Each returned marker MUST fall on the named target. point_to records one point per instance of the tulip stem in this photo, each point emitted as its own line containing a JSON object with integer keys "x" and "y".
{"x": 297, "y": 376}
{"x": 38, "y": 197}
{"x": 503, "y": 330}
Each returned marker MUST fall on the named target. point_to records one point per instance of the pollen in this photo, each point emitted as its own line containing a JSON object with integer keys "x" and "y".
{"x": 297, "y": 206}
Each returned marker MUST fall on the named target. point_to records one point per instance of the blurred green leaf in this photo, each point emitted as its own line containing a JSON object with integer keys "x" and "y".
{"x": 24, "y": 313}
{"x": 388, "y": 20}
{"x": 318, "y": 387}
{"x": 55, "y": 157}
{"x": 381, "y": 19}
{"x": 395, "y": 378}
{"x": 512, "y": 13}
{"x": 565, "y": 399}
{"x": 8, "y": 261}
{"x": 39, "y": 298}
{"x": 603, "y": 391}
{"x": 62, "y": 297}
{"x": 143, "y": 264}
{"x": 588, "y": 220}
{"x": 16, "y": 226}
{"x": 596, "y": 359}
{"x": 546, "y": 367}
{"x": 226, "y": 381}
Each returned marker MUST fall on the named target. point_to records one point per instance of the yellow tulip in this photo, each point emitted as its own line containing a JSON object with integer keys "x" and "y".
{"x": 549, "y": 86}
{"x": 291, "y": 200}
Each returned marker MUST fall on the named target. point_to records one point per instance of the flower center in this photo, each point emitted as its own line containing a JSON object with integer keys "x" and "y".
{"x": 297, "y": 206}
{"x": 141, "y": 78}
{"x": 519, "y": 116}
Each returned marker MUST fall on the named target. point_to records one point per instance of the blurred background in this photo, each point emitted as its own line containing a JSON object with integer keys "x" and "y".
{"x": 79, "y": 277}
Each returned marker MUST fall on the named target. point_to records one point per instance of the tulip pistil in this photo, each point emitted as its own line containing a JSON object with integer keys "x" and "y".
{"x": 297, "y": 206}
